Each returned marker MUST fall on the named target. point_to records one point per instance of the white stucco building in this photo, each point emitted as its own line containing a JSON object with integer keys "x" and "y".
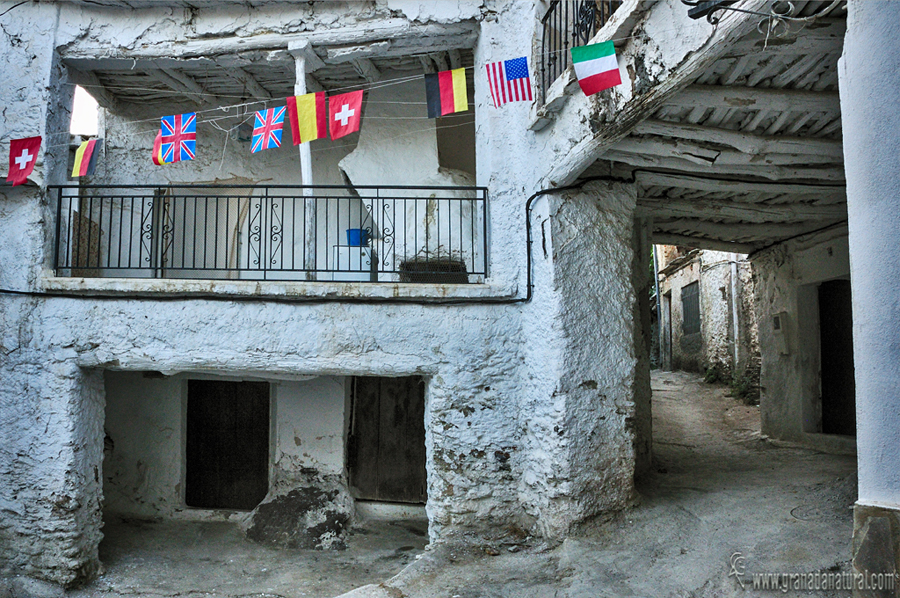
{"x": 496, "y": 368}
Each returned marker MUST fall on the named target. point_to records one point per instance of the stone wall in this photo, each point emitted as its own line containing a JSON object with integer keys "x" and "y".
{"x": 727, "y": 345}
{"x": 786, "y": 280}
{"x": 581, "y": 357}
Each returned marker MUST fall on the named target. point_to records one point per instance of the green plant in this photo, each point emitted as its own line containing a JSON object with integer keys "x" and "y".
{"x": 742, "y": 388}
{"x": 712, "y": 375}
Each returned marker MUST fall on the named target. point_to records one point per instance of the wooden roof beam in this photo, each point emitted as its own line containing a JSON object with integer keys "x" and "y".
{"x": 725, "y": 167}
{"x": 711, "y": 185}
{"x": 709, "y": 155}
{"x": 742, "y": 142}
{"x": 662, "y": 207}
{"x": 736, "y": 232}
{"x": 366, "y": 69}
{"x": 183, "y": 84}
{"x": 247, "y": 80}
{"x": 663, "y": 238}
{"x": 756, "y": 98}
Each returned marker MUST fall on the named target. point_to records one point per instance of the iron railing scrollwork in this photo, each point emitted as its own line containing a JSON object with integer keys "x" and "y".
{"x": 338, "y": 233}
{"x": 567, "y": 24}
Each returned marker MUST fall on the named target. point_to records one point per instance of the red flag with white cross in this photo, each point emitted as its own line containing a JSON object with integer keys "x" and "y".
{"x": 344, "y": 113}
{"x": 22, "y": 156}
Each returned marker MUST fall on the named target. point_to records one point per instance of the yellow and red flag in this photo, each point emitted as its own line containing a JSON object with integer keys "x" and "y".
{"x": 308, "y": 117}
{"x": 157, "y": 150}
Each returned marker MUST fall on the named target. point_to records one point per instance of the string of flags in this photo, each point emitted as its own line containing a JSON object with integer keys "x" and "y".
{"x": 446, "y": 93}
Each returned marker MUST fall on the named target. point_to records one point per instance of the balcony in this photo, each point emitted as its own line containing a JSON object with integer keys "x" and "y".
{"x": 432, "y": 235}
{"x": 567, "y": 24}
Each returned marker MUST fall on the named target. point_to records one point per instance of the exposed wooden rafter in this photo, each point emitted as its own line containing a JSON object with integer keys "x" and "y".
{"x": 664, "y": 238}
{"x": 738, "y": 233}
{"x": 708, "y": 154}
{"x": 247, "y": 80}
{"x": 367, "y": 70}
{"x": 698, "y": 166}
{"x": 756, "y": 98}
{"x": 181, "y": 83}
{"x": 661, "y": 207}
{"x": 821, "y": 193}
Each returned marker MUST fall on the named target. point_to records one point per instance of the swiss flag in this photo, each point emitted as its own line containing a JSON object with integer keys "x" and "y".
{"x": 344, "y": 113}
{"x": 22, "y": 156}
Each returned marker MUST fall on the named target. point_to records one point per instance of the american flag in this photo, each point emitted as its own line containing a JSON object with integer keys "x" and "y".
{"x": 509, "y": 81}
{"x": 267, "y": 129}
{"x": 178, "y": 137}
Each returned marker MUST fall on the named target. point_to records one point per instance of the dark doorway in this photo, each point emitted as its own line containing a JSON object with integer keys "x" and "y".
{"x": 386, "y": 453}
{"x": 836, "y": 339}
{"x": 227, "y": 449}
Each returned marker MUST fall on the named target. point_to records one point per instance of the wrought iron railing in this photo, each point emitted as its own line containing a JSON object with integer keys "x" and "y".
{"x": 569, "y": 23}
{"x": 364, "y": 234}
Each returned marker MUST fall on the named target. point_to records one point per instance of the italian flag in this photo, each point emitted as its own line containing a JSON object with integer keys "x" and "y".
{"x": 596, "y": 67}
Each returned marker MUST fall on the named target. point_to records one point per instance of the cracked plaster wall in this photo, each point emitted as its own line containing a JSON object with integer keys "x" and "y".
{"x": 529, "y": 416}
{"x": 143, "y": 467}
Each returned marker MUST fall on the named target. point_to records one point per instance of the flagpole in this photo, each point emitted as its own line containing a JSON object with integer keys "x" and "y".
{"x": 299, "y": 51}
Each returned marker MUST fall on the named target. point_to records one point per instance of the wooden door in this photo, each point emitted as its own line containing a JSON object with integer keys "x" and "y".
{"x": 227, "y": 445}
{"x": 386, "y": 456}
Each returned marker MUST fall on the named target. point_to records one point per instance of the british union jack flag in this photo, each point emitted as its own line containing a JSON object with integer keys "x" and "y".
{"x": 267, "y": 129}
{"x": 179, "y": 137}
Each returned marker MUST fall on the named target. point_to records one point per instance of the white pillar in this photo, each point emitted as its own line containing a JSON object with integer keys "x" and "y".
{"x": 870, "y": 112}
{"x": 300, "y": 51}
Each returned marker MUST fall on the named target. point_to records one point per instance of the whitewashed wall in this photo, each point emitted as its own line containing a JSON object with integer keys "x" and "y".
{"x": 529, "y": 416}
{"x": 143, "y": 468}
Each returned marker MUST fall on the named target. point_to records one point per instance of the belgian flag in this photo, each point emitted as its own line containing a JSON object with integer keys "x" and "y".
{"x": 86, "y": 158}
{"x": 446, "y": 92}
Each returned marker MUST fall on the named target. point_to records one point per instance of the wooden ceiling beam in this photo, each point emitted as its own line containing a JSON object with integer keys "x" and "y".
{"x": 738, "y": 233}
{"x": 707, "y": 155}
{"x": 663, "y": 207}
{"x": 178, "y": 83}
{"x": 366, "y": 69}
{"x": 663, "y": 238}
{"x": 721, "y": 168}
{"x": 247, "y": 80}
{"x": 828, "y": 193}
{"x": 741, "y": 141}
{"x": 756, "y": 98}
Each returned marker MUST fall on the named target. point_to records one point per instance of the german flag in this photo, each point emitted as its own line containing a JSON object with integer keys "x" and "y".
{"x": 446, "y": 92}
{"x": 308, "y": 117}
{"x": 86, "y": 158}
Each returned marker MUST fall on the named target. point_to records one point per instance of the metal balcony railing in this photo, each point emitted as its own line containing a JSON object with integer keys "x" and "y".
{"x": 569, "y": 23}
{"x": 264, "y": 232}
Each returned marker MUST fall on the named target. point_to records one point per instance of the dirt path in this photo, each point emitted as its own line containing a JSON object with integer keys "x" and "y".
{"x": 719, "y": 489}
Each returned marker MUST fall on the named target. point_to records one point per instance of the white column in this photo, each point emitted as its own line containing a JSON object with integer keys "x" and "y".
{"x": 870, "y": 112}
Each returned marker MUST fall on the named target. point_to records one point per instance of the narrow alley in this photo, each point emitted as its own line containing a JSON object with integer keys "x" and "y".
{"x": 720, "y": 492}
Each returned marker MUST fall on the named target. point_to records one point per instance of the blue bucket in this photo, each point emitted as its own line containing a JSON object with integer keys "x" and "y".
{"x": 357, "y": 237}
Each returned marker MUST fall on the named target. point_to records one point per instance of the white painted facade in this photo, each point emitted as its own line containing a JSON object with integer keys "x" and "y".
{"x": 537, "y": 398}
{"x": 511, "y": 404}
